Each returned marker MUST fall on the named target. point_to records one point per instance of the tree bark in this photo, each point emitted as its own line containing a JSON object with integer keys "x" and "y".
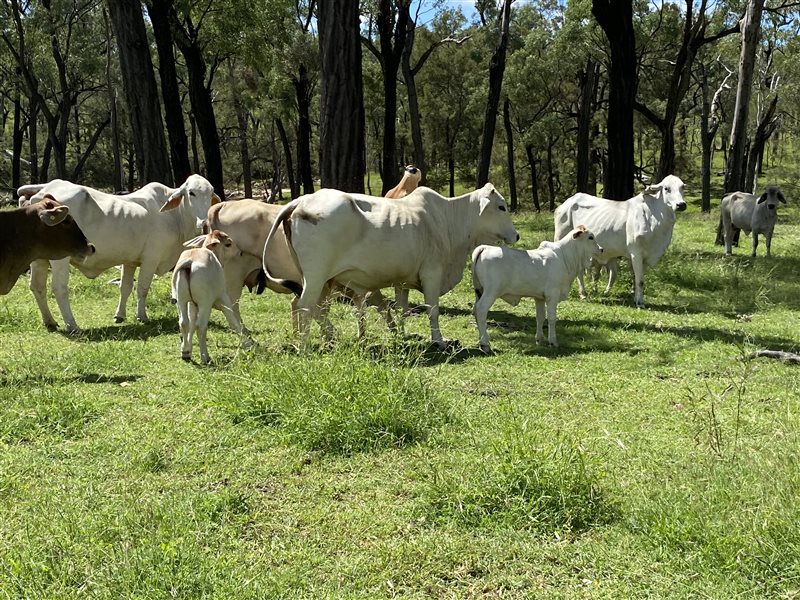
{"x": 141, "y": 92}
{"x": 512, "y": 175}
{"x": 615, "y": 17}
{"x": 158, "y": 10}
{"x": 588, "y": 77}
{"x": 413, "y": 105}
{"x": 751, "y": 31}
{"x": 497, "y": 67}
{"x": 766, "y": 127}
{"x": 16, "y": 142}
{"x": 294, "y": 185}
{"x": 302, "y": 90}
{"x": 33, "y": 141}
{"x": 534, "y": 177}
{"x": 342, "y": 146}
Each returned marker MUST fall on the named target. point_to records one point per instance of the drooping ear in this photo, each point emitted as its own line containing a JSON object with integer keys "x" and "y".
{"x": 781, "y": 198}
{"x": 579, "y": 231}
{"x": 215, "y": 199}
{"x": 484, "y": 202}
{"x": 652, "y": 189}
{"x": 195, "y": 242}
{"x": 174, "y": 200}
{"x": 212, "y": 245}
{"x": 54, "y": 216}
{"x": 762, "y": 198}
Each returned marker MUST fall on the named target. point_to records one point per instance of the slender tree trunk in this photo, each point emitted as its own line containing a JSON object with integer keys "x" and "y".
{"x": 342, "y": 147}
{"x": 16, "y": 142}
{"x": 766, "y": 127}
{"x": 497, "y": 67}
{"x": 512, "y": 175}
{"x": 242, "y": 117}
{"x": 534, "y": 177}
{"x": 159, "y": 10}
{"x": 751, "y": 32}
{"x": 195, "y": 149}
{"x": 706, "y": 141}
{"x": 141, "y": 92}
{"x": 294, "y": 185}
{"x": 616, "y": 19}
{"x": 551, "y": 175}
{"x": 413, "y": 106}
{"x": 302, "y": 88}
{"x": 588, "y": 77}
{"x": 116, "y": 171}
{"x": 33, "y": 141}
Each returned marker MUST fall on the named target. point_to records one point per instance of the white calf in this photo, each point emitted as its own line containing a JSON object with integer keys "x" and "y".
{"x": 198, "y": 284}
{"x": 751, "y": 214}
{"x": 545, "y": 274}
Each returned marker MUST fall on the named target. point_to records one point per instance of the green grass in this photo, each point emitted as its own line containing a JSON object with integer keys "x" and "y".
{"x": 643, "y": 458}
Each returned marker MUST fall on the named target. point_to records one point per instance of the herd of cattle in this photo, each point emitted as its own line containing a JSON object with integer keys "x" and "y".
{"x": 333, "y": 243}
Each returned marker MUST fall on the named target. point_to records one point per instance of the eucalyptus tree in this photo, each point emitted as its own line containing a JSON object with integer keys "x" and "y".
{"x": 341, "y": 138}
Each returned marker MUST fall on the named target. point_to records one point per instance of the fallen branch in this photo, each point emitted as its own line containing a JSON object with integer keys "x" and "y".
{"x": 787, "y": 357}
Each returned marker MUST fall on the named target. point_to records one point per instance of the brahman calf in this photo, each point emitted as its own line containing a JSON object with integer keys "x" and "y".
{"x": 41, "y": 231}
{"x": 751, "y": 214}
{"x": 408, "y": 183}
{"x": 545, "y": 274}
{"x": 198, "y": 284}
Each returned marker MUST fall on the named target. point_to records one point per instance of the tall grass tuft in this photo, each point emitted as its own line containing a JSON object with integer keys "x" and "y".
{"x": 522, "y": 479}
{"x": 340, "y": 404}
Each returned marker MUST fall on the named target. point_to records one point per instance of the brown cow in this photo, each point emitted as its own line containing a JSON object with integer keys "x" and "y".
{"x": 42, "y": 231}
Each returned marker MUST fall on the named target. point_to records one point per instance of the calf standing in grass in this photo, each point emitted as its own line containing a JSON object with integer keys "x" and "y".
{"x": 198, "y": 284}
{"x": 751, "y": 214}
{"x": 545, "y": 274}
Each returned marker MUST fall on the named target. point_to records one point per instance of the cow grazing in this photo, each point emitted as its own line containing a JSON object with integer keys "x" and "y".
{"x": 144, "y": 229}
{"x": 42, "y": 231}
{"x": 367, "y": 243}
{"x": 545, "y": 274}
{"x": 198, "y": 285}
{"x": 408, "y": 183}
{"x": 639, "y": 229}
{"x": 753, "y": 214}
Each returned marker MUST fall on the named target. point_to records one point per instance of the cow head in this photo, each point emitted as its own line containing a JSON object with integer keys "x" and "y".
{"x": 772, "y": 195}
{"x": 670, "y": 190}
{"x": 586, "y": 238}
{"x": 198, "y": 196}
{"x": 218, "y": 242}
{"x": 64, "y": 237}
{"x": 494, "y": 216}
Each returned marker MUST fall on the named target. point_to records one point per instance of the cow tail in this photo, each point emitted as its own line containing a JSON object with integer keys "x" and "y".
{"x": 476, "y": 284}
{"x": 283, "y": 220}
{"x": 185, "y": 266}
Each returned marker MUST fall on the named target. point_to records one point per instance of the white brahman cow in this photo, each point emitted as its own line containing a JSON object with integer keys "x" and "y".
{"x": 752, "y": 214}
{"x": 198, "y": 285}
{"x": 545, "y": 274}
{"x": 144, "y": 229}
{"x": 367, "y": 243}
{"x": 639, "y": 229}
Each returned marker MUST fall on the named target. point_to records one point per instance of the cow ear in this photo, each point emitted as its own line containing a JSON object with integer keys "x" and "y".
{"x": 484, "y": 202}
{"x": 195, "y": 242}
{"x": 212, "y": 245}
{"x": 762, "y": 198}
{"x": 653, "y": 189}
{"x": 54, "y": 216}
{"x": 781, "y": 198}
{"x": 215, "y": 199}
{"x": 579, "y": 231}
{"x": 174, "y": 200}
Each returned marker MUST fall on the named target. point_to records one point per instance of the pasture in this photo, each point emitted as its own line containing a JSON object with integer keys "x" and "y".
{"x": 643, "y": 458}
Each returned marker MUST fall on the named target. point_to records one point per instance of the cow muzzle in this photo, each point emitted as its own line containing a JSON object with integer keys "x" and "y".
{"x": 680, "y": 207}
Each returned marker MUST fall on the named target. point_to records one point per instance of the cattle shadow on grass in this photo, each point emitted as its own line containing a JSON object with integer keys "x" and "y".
{"x": 131, "y": 330}
{"x": 50, "y": 379}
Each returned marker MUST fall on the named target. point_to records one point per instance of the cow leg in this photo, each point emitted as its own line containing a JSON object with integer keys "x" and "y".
{"x": 768, "y": 242}
{"x": 38, "y": 286}
{"x": 146, "y": 273}
{"x": 234, "y": 294}
{"x": 201, "y": 325}
{"x": 359, "y": 302}
{"x": 60, "y": 284}
{"x": 481, "y": 311}
{"x": 581, "y": 286}
{"x": 295, "y": 315}
{"x": 430, "y": 289}
{"x": 637, "y": 263}
{"x": 613, "y": 270}
{"x": 191, "y": 317}
{"x": 225, "y": 305}
{"x": 125, "y": 289}
{"x": 755, "y": 243}
{"x": 727, "y": 233}
{"x": 186, "y": 331}
{"x": 540, "y": 316}
{"x": 551, "y": 321}
{"x": 307, "y": 306}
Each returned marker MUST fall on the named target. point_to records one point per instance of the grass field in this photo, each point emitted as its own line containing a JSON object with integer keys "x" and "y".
{"x": 643, "y": 458}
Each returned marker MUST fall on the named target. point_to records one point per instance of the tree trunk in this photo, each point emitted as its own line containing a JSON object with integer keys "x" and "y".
{"x": 615, "y": 17}
{"x": 766, "y": 127}
{"x": 413, "y": 106}
{"x": 302, "y": 89}
{"x": 33, "y": 141}
{"x": 706, "y": 141}
{"x": 497, "y": 67}
{"x": 195, "y": 150}
{"x": 588, "y": 77}
{"x": 294, "y": 185}
{"x": 551, "y": 174}
{"x": 751, "y": 31}
{"x": 512, "y": 176}
{"x": 140, "y": 89}
{"x": 242, "y": 116}
{"x": 16, "y": 142}
{"x": 342, "y": 147}
{"x": 158, "y": 10}
{"x": 534, "y": 177}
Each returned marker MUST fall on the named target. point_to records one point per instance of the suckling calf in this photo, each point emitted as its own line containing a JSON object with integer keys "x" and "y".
{"x": 545, "y": 274}
{"x": 752, "y": 214}
{"x": 198, "y": 285}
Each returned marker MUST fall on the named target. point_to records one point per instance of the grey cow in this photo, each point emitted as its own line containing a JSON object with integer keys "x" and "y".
{"x": 751, "y": 213}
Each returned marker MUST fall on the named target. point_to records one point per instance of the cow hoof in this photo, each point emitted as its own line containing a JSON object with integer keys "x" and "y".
{"x": 118, "y": 319}
{"x": 186, "y": 357}
{"x": 448, "y": 345}
{"x": 486, "y": 349}
{"x": 143, "y": 319}
{"x": 51, "y": 326}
